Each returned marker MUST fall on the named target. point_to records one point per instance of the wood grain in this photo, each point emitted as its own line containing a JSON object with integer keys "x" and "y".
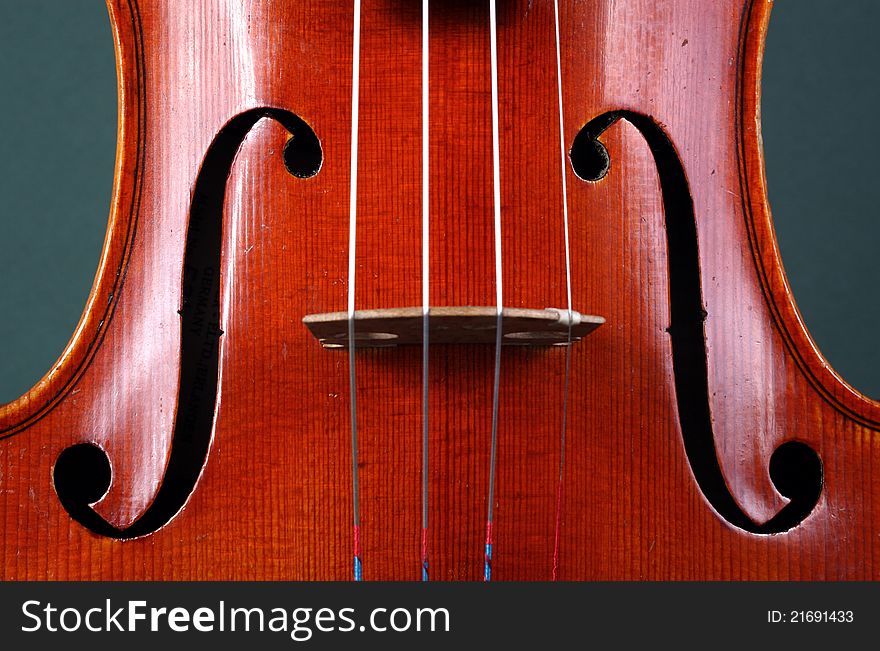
{"x": 273, "y": 499}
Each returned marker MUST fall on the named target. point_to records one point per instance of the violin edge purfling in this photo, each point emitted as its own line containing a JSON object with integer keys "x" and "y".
{"x": 195, "y": 429}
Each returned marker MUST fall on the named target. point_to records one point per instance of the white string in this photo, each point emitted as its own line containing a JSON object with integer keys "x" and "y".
{"x": 352, "y": 241}
{"x": 499, "y": 293}
{"x": 558, "y": 518}
{"x": 496, "y": 158}
{"x": 564, "y": 166}
{"x": 426, "y": 281}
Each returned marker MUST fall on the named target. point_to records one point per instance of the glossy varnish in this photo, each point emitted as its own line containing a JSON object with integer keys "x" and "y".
{"x": 678, "y": 83}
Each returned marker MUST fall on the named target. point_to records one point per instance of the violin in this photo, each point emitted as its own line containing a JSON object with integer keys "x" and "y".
{"x": 450, "y": 290}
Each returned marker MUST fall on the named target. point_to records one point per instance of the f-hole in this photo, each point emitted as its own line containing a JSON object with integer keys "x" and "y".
{"x": 795, "y": 468}
{"x": 82, "y": 473}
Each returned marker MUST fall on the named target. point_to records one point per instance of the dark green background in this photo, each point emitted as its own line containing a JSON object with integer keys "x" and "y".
{"x": 58, "y": 138}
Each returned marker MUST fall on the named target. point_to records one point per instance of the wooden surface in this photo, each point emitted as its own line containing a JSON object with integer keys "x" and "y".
{"x": 677, "y": 405}
{"x": 452, "y": 325}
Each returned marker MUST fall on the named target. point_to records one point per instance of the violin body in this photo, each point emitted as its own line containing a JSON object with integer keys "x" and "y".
{"x": 195, "y": 429}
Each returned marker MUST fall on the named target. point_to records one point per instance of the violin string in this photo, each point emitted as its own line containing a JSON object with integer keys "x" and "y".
{"x": 565, "y": 389}
{"x": 499, "y": 294}
{"x": 426, "y": 277}
{"x": 352, "y": 241}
